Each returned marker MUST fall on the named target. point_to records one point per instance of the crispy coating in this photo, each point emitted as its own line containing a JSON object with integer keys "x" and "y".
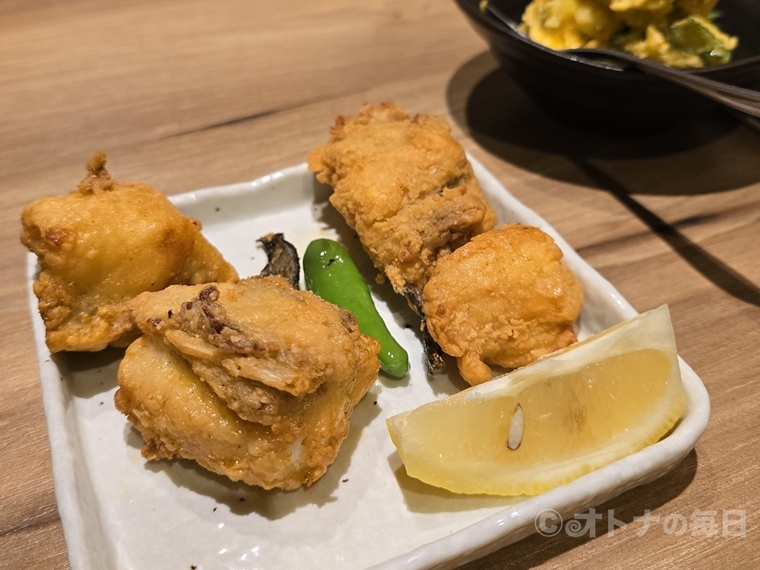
{"x": 260, "y": 344}
{"x": 179, "y": 415}
{"x": 102, "y": 245}
{"x": 504, "y": 298}
{"x": 253, "y": 380}
{"x": 405, "y": 185}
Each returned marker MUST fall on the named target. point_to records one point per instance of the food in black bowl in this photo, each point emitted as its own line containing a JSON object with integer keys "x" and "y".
{"x": 595, "y": 94}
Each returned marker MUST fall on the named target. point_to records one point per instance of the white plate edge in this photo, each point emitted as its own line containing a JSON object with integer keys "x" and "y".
{"x": 63, "y": 459}
{"x": 473, "y": 538}
{"x": 603, "y": 482}
{"x": 489, "y": 530}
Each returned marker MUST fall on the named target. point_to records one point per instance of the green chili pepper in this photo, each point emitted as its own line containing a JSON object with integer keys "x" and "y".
{"x": 331, "y": 273}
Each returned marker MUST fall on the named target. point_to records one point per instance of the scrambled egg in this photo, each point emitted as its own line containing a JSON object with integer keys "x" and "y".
{"x": 677, "y": 33}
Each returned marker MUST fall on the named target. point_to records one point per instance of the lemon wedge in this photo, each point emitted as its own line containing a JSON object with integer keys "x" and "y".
{"x": 545, "y": 424}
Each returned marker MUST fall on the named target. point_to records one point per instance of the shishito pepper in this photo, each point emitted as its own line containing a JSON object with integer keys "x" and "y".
{"x": 330, "y": 273}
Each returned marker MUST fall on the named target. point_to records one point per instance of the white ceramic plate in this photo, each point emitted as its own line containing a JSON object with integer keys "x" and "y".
{"x": 120, "y": 512}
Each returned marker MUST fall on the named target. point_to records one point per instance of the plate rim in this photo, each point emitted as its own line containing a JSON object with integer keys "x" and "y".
{"x": 471, "y": 542}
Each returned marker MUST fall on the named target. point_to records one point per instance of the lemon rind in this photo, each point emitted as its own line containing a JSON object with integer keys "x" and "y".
{"x": 473, "y": 477}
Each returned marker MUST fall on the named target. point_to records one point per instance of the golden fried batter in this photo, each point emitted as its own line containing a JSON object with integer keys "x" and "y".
{"x": 102, "y": 245}
{"x": 283, "y": 371}
{"x": 406, "y": 187}
{"x": 179, "y": 415}
{"x": 260, "y": 344}
{"x": 504, "y": 298}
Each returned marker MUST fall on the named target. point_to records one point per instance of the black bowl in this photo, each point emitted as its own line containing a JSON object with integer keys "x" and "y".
{"x": 592, "y": 94}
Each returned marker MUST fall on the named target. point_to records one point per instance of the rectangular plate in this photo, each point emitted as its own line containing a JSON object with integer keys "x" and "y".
{"x": 119, "y": 511}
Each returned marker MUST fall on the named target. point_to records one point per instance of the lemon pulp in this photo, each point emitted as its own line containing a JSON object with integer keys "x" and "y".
{"x": 583, "y": 407}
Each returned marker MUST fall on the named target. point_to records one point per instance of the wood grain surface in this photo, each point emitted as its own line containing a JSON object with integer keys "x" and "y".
{"x": 188, "y": 94}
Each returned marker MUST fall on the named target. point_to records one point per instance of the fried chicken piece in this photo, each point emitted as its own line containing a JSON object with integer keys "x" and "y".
{"x": 179, "y": 415}
{"x": 254, "y": 380}
{"x": 260, "y": 344}
{"x": 102, "y": 245}
{"x": 504, "y": 298}
{"x": 405, "y": 185}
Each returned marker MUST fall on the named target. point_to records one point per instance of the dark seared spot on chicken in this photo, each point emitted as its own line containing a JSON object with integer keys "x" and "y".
{"x": 348, "y": 320}
{"x": 210, "y": 293}
{"x": 56, "y": 236}
{"x": 283, "y": 259}
{"x": 206, "y": 317}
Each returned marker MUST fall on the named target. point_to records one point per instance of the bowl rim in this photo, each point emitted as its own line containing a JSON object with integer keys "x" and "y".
{"x": 471, "y": 8}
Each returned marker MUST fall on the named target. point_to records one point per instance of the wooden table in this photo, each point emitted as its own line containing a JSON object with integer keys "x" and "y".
{"x": 192, "y": 94}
